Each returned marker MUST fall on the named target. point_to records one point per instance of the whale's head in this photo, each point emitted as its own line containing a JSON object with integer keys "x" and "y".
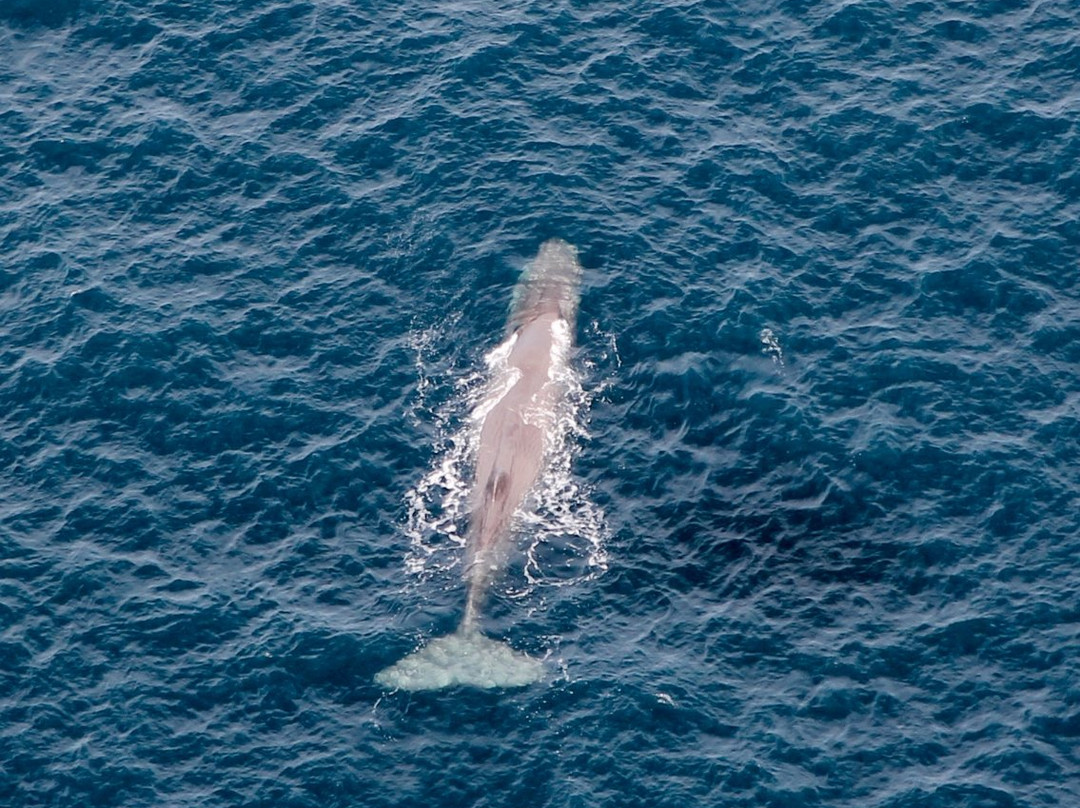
{"x": 550, "y": 285}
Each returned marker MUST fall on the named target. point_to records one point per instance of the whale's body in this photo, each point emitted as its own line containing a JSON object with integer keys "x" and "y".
{"x": 519, "y": 418}
{"x": 515, "y": 432}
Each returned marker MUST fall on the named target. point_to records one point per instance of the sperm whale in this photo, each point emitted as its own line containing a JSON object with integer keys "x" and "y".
{"x": 519, "y": 418}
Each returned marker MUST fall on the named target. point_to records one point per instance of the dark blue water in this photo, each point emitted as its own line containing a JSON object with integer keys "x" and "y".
{"x": 252, "y": 252}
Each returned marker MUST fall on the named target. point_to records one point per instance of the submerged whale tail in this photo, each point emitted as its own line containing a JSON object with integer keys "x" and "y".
{"x": 464, "y": 658}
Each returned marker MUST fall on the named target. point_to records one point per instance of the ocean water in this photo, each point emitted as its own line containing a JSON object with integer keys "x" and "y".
{"x": 814, "y": 539}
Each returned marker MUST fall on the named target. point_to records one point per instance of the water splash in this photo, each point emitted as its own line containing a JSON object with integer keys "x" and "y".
{"x": 772, "y": 346}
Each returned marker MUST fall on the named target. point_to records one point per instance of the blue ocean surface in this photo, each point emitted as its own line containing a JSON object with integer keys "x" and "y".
{"x": 819, "y": 541}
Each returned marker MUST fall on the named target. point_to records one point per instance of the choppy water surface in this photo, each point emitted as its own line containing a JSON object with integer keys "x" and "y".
{"x": 815, "y": 541}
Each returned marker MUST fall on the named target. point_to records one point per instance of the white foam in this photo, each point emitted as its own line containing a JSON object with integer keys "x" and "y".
{"x": 466, "y": 658}
{"x": 772, "y": 346}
